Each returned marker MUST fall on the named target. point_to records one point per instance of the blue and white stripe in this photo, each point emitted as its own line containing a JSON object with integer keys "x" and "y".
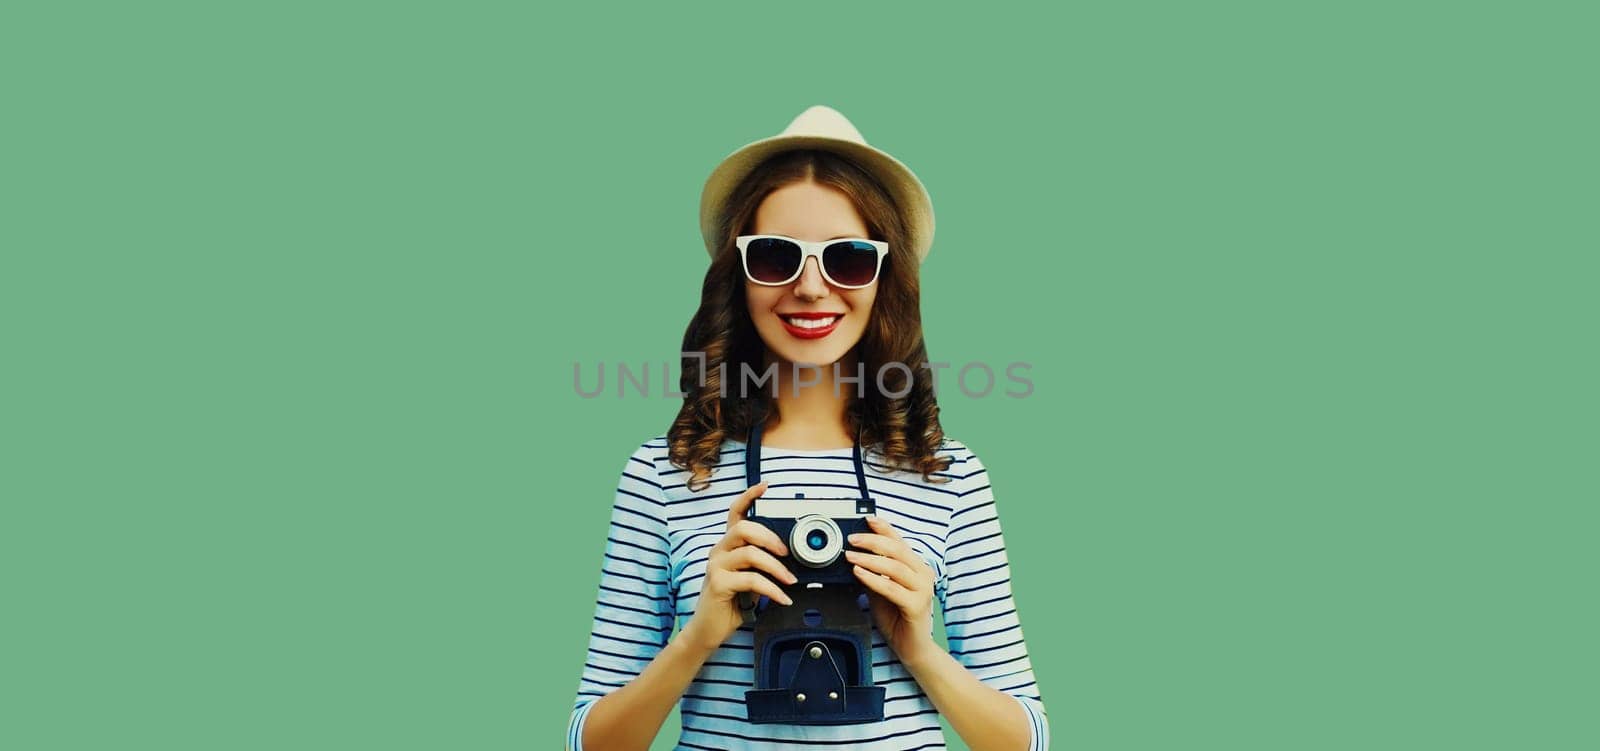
{"x": 655, "y": 558}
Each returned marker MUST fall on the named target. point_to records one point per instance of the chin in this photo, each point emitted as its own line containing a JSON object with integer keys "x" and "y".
{"x": 822, "y": 358}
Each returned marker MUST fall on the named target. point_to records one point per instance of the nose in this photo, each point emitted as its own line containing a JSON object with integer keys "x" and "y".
{"x": 811, "y": 285}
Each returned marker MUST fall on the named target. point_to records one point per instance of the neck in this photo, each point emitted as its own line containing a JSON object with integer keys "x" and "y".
{"x": 812, "y": 415}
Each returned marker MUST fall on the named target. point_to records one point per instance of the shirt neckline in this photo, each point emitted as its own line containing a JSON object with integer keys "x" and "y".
{"x": 765, "y": 448}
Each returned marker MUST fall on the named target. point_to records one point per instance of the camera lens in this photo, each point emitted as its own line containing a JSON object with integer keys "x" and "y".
{"x": 816, "y": 541}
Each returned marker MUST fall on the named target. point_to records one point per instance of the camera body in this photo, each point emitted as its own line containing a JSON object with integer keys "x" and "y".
{"x": 816, "y": 531}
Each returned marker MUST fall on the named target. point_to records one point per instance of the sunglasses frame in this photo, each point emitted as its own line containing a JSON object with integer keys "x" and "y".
{"x": 807, "y": 250}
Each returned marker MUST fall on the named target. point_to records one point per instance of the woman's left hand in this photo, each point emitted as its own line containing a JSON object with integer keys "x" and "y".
{"x": 901, "y": 587}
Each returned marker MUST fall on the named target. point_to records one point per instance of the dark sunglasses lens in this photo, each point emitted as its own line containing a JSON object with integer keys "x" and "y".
{"x": 853, "y": 262}
{"x": 772, "y": 260}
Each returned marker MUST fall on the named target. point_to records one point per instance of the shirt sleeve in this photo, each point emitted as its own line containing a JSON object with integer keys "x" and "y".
{"x": 633, "y": 615}
{"x": 974, "y": 591}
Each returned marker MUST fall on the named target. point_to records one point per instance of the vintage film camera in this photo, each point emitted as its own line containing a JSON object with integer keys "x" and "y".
{"x": 816, "y": 531}
{"x": 813, "y": 659}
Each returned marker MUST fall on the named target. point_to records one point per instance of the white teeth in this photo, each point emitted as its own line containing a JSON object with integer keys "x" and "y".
{"x": 806, "y": 323}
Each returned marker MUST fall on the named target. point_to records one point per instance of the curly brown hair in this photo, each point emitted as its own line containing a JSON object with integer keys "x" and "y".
{"x": 907, "y": 427}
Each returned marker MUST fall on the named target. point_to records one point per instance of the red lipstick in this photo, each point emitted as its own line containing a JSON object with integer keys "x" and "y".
{"x": 814, "y": 332}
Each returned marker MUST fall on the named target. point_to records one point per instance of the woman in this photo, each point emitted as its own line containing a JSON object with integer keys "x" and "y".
{"x": 680, "y": 548}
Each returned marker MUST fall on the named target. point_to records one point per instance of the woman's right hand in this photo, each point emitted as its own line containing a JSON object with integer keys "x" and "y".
{"x": 729, "y": 572}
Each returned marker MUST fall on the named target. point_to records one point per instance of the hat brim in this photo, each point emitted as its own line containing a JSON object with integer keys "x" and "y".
{"x": 901, "y": 183}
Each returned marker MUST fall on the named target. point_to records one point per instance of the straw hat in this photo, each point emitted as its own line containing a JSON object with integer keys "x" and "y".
{"x": 822, "y": 127}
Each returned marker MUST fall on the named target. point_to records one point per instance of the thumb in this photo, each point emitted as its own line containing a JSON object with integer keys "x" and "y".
{"x": 745, "y": 501}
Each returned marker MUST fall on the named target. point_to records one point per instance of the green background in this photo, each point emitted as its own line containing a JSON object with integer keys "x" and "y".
{"x": 291, "y": 295}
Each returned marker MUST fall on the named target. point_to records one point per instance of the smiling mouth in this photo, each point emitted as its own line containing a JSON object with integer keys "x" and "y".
{"x": 810, "y": 326}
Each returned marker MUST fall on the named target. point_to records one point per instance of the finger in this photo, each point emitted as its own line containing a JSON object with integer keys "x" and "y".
{"x": 747, "y": 532}
{"x": 905, "y": 553}
{"x": 749, "y": 556}
{"x": 881, "y": 545}
{"x": 900, "y": 572}
{"x": 883, "y": 527}
{"x": 750, "y": 581}
{"x": 744, "y": 501}
{"x": 886, "y": 588}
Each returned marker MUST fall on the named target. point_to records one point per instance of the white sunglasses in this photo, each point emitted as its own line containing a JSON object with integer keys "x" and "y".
{"x": 775, "y": 260}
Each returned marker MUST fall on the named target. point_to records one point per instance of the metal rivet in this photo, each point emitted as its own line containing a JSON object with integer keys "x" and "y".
{"x": 816, "y": 652}
{"x": 799, "y": 697}
{"x": 833, "y": 694}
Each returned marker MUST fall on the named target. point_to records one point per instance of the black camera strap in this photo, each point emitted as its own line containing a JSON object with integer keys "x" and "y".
{"x": 752, "y": 460}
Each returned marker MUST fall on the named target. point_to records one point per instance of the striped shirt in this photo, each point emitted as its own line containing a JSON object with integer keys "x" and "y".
{"x": 660, "y": 534}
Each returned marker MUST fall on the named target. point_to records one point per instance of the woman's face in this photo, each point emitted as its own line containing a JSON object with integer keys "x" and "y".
{"x": 809, "y": 211}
